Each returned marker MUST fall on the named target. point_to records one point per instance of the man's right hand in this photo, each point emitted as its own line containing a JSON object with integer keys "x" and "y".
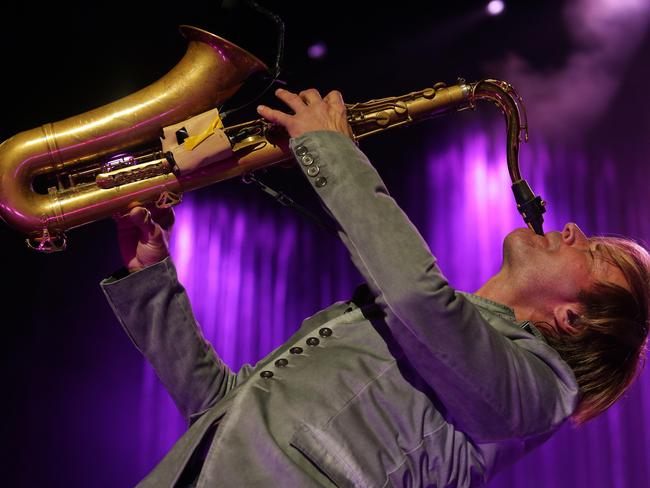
{"x": 144, "y": 241}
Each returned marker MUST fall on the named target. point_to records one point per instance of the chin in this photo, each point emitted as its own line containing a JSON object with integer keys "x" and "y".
{"x": 516, "y": 245}
{"x": 522, "y": 235}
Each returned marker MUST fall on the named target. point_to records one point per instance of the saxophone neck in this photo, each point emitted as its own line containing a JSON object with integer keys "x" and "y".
{"x": 378, "y": 115}
{"x": 504, "y": 96}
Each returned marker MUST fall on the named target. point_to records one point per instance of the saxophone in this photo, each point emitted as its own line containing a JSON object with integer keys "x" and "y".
{"x": 89, "y": 167}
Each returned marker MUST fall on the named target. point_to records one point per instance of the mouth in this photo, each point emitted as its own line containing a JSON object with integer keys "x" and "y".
{"x": 552, "y": 239}
{"x": 539, "y": 241}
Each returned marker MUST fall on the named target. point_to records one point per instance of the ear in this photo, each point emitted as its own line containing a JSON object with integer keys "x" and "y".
{"x": 565, "y": 317}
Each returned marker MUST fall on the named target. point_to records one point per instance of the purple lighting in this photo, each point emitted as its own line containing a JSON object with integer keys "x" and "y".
{"x": 495, "y": 7}
{"x": 317, "y": 51}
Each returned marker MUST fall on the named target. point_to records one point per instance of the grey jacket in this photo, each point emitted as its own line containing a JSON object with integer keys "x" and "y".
{"x": 416, "y": 384}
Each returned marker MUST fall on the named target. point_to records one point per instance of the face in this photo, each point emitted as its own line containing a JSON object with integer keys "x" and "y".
{"x": 557, "y": 266}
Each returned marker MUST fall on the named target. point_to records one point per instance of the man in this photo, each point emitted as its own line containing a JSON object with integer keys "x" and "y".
{"x": 411, "y": 383}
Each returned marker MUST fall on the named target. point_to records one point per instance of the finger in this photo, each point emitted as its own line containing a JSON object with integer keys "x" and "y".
{"x": 141, "y": 218}
{"x": 293, "y": 101}
{"x": 164, "y": 217}
{"x": 274, "y": 116}
{"x": 123, "y": 218}
{"x": 334, "y": 98}
{"x": 310, "y": 96}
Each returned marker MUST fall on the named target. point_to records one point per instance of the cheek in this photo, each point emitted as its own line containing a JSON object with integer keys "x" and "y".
{"x": 572, "y": 277}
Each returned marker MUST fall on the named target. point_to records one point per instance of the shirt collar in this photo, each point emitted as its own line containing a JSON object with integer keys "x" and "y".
{"x": 502, "y": 311}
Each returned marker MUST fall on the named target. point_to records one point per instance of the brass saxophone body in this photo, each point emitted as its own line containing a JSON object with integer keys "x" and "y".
{"x": 94, "y": 165}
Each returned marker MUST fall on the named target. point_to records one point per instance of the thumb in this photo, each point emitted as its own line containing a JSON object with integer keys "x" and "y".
{"x": 141, "y": 218}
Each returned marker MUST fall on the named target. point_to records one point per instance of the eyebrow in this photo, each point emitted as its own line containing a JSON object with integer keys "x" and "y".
{"x": 592, "y": 252}
{"x": 600, "y": 250}
{"x": 593, "y": 260}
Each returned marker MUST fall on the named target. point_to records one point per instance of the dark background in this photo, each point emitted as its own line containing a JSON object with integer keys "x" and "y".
{"x": 62, "y": 345}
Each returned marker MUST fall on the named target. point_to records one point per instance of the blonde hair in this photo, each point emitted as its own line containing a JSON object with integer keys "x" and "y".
{"x": 608, "y": 351}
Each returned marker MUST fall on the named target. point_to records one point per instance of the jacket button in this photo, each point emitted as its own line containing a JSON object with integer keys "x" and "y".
{"x": 313, "y": 341}
{"x": 325, "y": 332}
{"x": 301, "y": 150}
{"x": 266, "y": 374}
{"x": 296, "y": 350}
{"x": 321, "y": 181}
{"x": 281, "y": 363}
{"x": 306, "y": 160}
{"x": 313, "y": 170}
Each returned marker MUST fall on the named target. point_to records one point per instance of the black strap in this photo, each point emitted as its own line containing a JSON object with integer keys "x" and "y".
{"x": 287, "y": 201}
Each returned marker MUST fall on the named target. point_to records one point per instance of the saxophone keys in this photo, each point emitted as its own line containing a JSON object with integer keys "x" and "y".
{"x": 48, "y": 242}
{"x": 168, "y": 199}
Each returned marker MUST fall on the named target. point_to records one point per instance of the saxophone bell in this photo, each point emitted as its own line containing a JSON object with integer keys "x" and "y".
{"x": 65, "y": 174}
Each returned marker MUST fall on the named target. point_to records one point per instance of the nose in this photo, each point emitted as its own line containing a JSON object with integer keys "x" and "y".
{"x": 571, "y": 234}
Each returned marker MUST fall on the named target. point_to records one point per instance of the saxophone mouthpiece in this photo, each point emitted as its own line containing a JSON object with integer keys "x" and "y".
{"x": 530, "y": 207}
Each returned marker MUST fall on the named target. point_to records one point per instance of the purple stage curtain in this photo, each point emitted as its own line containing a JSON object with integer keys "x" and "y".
{"x": 254, "y": 273}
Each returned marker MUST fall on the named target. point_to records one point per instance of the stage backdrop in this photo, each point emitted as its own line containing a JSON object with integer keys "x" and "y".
{"x": 254, "y": 272}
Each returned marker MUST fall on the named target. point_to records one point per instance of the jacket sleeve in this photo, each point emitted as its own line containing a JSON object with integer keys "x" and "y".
{"x": 493, "y": 387}
{"x": 155, "y": 312}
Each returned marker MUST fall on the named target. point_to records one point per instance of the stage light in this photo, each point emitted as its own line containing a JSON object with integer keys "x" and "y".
{"x": 495, "y": 7}
{"x": 317, "y": 51}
